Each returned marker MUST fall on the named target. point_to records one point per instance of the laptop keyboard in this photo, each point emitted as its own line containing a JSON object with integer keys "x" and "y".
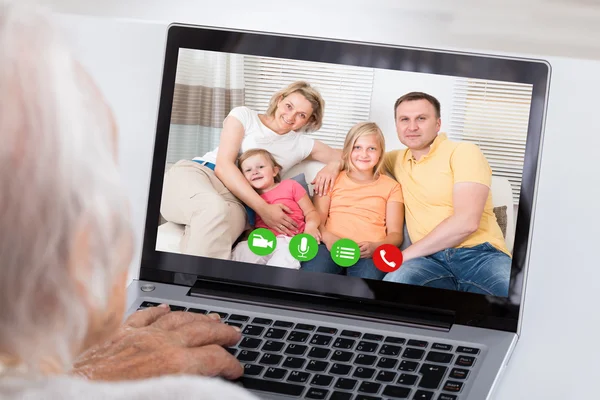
{"x": 323, "y": 362}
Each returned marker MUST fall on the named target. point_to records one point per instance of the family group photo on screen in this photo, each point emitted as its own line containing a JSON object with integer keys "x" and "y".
{"x": 373, "y": 173}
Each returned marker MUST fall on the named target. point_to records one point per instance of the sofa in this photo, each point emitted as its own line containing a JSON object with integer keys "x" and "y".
{"x": 170, "y": 234}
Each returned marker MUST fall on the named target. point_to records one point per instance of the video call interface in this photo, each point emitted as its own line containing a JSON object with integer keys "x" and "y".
{"x": 387, "y": 196}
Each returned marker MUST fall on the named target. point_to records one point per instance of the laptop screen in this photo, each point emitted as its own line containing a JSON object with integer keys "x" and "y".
{"x": 342, "y": 169}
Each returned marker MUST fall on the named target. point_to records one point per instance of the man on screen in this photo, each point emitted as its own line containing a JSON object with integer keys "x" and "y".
{"x": 456, "y": 240}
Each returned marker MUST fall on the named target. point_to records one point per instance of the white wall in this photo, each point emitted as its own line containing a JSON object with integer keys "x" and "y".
{"x": 560, "y": 307}
{"x": 389, "y": 85}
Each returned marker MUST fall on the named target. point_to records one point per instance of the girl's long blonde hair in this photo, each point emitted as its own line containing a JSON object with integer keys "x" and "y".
{"x": 359, "y": 130}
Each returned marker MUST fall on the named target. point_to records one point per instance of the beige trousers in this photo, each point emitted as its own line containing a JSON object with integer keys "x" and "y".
{"x": 213, "y": 217}
{"x": 280, "y": 257}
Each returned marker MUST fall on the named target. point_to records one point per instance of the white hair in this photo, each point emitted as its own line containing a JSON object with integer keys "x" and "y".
{"x": 59, "y": 182}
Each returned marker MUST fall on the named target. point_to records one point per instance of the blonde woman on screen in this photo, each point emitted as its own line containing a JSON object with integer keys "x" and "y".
{"x": 207, "y": 194}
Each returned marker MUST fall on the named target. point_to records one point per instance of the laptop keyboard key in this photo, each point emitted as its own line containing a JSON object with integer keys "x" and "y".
{"x": 317, "y": 393}
{"x": 252, "y": 370}
{"x": 407, "y": 379}
{"x": 341, "y": 356}
{"x": 283, "y": 324}
{"x": 390, "y": 350}
{"x": 293, "y": 363}
{"x": 340, "y": 396}
{"x": 327, "y": 330}
{"x": 274, "y": 333}
{"x": 221, "y": 314}
{"x": 413, "y": 354}
{"x": 365, "y": 397}
{"x": 345, "y": 384}
{"x": 465, "y": 361}
{"x": 247, "y": 356}
{"x": 321, "y": 380}
{"x": 285, "y": 389}
{"x": 445, "y": 396}
{"x": 369, "y": 387}
{"x": 250, "y": 343}
{"x": 305, "y": 327}
{"x": 147, "y": 304}
{"x": 342, "y": 343}
{"x": 396, "y": 392}
{"x": 436, "y": 356}
{"x": 467, "y": 350}
{"x": 295, "y": 349}
{"x": 262, "y": 321}
{"x": 238, "y": 318}
{"x": 417, "y": 343}
{"x": 231, "y": 351}
{"x": 385, "y": 362}
{"x": 298, "y": 376}
{"x": 317, "y": 366}
{"x": 452, "y": 386}
{"x": 272, "y": 346}
{"x": 363, "y": 373}
{"x": 270, "y": 359}
{"x": 299, "y": 337}
{"x": 423, "y": 395}
{"x": 394, "y": 340}
{"x": 363, "y": 359}
{"x": 408, "y": 366}
{"x": 197, "y": 310}
{"x": 340, "y": 369}
{"x": 177, "y": 308}
{"x": 233, "y": 324}
{"x": 367, "y": 347}
{"x": 386, "y": 376}
{"x": 321, "y": 340}
{"x": 432, "y": 375}
{"x": 352, "y": 334}
{"x": 275, "y": 373}
{"x": 253, "y": 330}
{"x": 319, "y": 352}
{"x": 370, "y": 336}
{"x": 441, "y": 346}
{"x": 458, "y": 373}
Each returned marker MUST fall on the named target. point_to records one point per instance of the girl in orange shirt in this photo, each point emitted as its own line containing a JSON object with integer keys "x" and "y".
{"x": 364, "y": 205}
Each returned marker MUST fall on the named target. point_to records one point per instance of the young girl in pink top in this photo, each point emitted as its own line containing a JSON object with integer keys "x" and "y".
{"x": 364, "y": 205}
{"x": 262, "y": 172}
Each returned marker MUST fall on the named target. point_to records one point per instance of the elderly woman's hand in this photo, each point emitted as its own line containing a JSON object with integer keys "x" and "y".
{"x": 326, "y": 177}
{"x": 156, "y": 341}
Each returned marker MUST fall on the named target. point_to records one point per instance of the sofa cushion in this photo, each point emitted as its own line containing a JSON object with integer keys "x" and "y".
{"x": 502, "y": 218}
{"x": 301, "y": 179}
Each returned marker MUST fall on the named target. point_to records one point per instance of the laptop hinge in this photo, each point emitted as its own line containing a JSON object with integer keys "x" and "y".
{"x": 316, "y": 303}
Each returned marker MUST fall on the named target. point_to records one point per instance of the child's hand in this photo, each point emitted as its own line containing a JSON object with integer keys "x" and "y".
{"x": 314, "y": 232}
{"x": 367, "y": 249}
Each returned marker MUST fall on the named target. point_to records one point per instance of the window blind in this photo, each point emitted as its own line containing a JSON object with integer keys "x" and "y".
{"x": 346, "y": 89}
{"x": 495, "y": 116}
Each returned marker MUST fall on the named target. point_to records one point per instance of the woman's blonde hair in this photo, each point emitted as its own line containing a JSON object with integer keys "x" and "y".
{"x": 266, "y": 154}
{"x": 359, "y": 130}
{"x": 311, "y": 94}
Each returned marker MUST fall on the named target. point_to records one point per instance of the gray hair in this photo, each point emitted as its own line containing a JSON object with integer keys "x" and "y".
{"x": 58, "y": 179}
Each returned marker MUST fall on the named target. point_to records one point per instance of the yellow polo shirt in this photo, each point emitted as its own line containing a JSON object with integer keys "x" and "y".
{"x": 427, "y": 187}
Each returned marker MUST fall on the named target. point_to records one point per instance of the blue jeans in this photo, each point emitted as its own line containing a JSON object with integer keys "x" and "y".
{"x": 322, "y": 262}
{"x": 479, "y": 269}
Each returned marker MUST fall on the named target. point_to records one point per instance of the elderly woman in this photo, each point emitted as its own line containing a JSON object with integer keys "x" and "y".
{"x": 66, "y": 246}
{"x": 207, "y": 194}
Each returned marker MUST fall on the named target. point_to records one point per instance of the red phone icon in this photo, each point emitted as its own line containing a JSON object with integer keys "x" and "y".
{"x": 387, "y": 258}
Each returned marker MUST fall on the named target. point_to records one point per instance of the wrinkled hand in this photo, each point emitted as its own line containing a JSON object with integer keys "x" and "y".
{"x": 155, "y": 341}
{"x": 325, "y": 178}
{"x": 276, "y": 217}
{"x": 367, "y": 249}
{"x": 314, "y": 232}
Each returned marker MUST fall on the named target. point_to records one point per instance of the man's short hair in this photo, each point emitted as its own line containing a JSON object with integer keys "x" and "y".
{"x": 412, "y": 96}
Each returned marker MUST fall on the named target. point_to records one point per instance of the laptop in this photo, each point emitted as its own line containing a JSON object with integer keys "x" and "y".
{"x": 314, "y": 335}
